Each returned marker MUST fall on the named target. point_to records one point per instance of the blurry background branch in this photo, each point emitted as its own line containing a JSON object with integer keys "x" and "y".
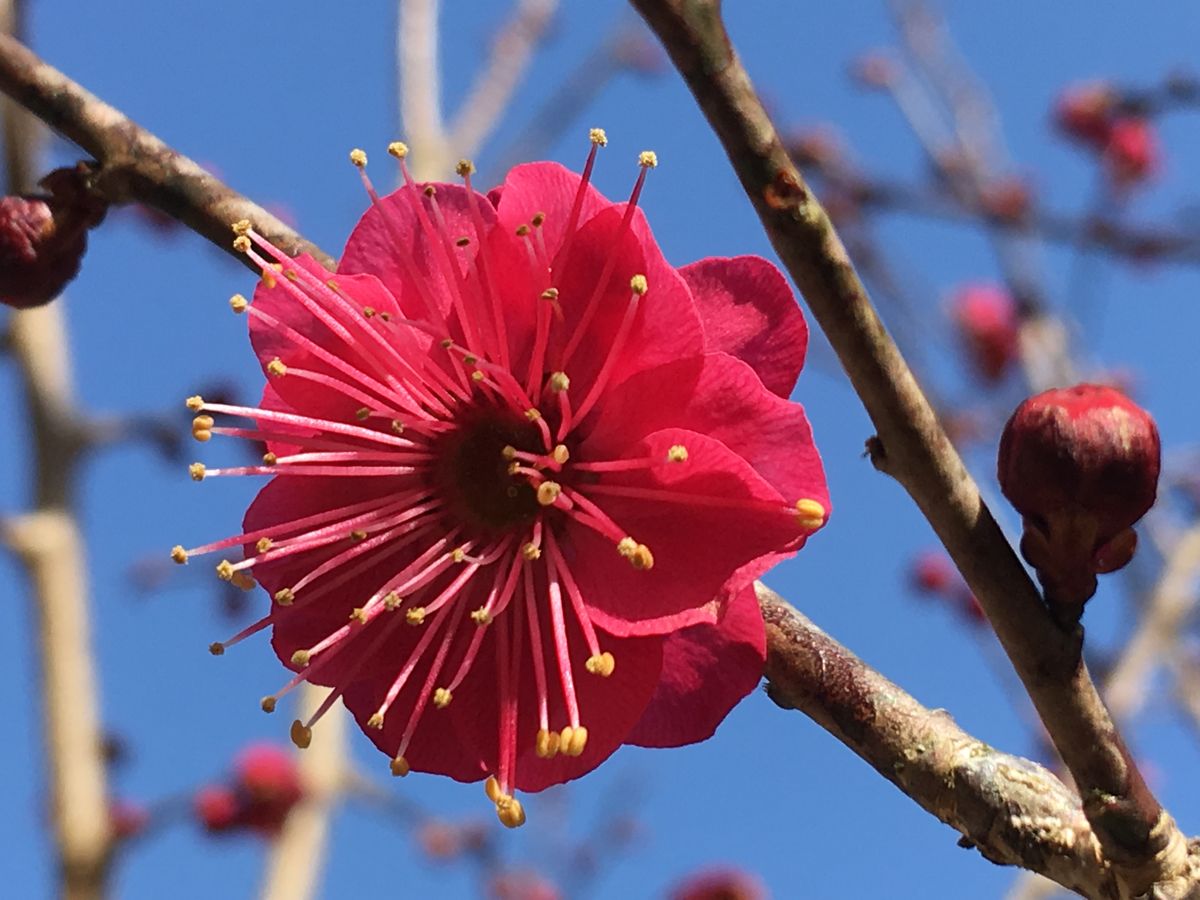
{"x": 1139, "y": 839}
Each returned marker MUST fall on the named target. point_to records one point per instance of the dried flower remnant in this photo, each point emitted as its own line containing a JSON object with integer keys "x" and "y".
{"x": 1081, "y": 466}
{"x": 262, "y": 791}
{"x": 43, "y": 238}
{"x": 987, "y": 321}
{"x": 524, "y": 474}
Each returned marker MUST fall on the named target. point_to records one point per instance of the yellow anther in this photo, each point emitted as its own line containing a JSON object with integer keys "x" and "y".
{"x": 292, "y": 275}
{"x": 362, "y": 413}
{"x": 810, "y": 514}
{"x": 397, "y": 426}
{"x": 358, "y": 535}
{"x": 458, "y": 554}
{"x": 550, "y": 294}
{"x": 548, "y": 492}
{"x": 269, "y": 459}
{"x": 601, "y": 664}
{"x": 301, "y": 658}
{"x": 481, "y": 616}
{"x": 216, "y": 648}
{"x": 368, "y": 312}
{"x": 415, "y": 616}
{"x": 560, "y": 454}
{"x": 195, "y": 402}
{"x": 225, "y": 570}
{"x": 598, "y": 137}
{"x": 285, "y": 597}
{"x": 558, "y": 382}
{"x": 578, "y": 742}
{"x": 398, "y": 149}
{"x": 677, "y": 453}
{"x": 642, "y": 558}
{"x": 538, "y": 219}
{"x": 533, "y": 414}
{"x": 531, "y": 551}
{"x": 463, "y": 241}
{"x": 446, "y": 343}
{"x": 510, "y": 812}
{"x": 238, "y": 303}
{"x": 376, "y": 721}
{"x": 429, "y": 191}
{"x": 508, "y": 451}
{"x": 491, "y": 787}
{"x": 268, "y": 280}
{"x": 202, "y": 423}
{"x": 201, "y": 435}
{"x": 639, "y": 285}
{"x": 477, "y": 375}
{"x": 178, "y": 554}
{"x": 358, "y": 157}
{"x": 243, "y": 582}
{"x": 648, "y": 159}
{"x": 264, "y": 544}
{"x": 276, "y": 367}
{"x": 241, "y": 244}
{"x": 522, "y": 230}
{"x": 547, "y": 744}
{"x": 464, "y": 168}
{"x": 241, "y": 226}
{"x": 399, "y": 766}
{"x": 267, "y": 704}
{"x": 442, "y": 698}
{"x": 392, "y": 601}
{"x": 301, "y": 734}
{"x": 359, "y": 615}
{"x": 627, "y": 546}
{"x": 197, "y": 470}
{"x": 513, "y": 468}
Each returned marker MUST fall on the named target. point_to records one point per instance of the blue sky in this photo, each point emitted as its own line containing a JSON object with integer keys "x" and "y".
{"x": 273, "y": 95}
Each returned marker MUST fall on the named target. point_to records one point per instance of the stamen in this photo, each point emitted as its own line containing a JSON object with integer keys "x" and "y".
{"x": 810, "y": 514}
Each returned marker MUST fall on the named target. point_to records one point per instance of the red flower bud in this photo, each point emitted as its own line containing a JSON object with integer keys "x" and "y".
{"x": 43, "y": 239}
{"x": 1081, "y": 466}
{"x": 987, "y": 321}
{"x": 932, "y": 573}
{"x": 217, "y": 808}
{"x": 1084, "y": 113}
{"x": 720, "y": 883}
{"x": 1132, "y": 153}
{"x": 127, "y": 819}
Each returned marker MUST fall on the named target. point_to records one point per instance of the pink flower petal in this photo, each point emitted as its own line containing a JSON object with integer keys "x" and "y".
{"x": 749, "y": 311}
{"x": 706, "y": 670}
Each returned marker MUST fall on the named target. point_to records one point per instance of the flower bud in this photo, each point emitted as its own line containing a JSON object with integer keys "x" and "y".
{"x": 1132, "y": 154}
{"x": 1081, "y": 466}
{"x": 1084, "y": 113}
{"x": 43, "y": 238}
{"x": 987, "y": 321}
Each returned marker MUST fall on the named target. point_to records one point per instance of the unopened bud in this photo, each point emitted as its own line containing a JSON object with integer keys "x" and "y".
{"x": 1081, "y": 466}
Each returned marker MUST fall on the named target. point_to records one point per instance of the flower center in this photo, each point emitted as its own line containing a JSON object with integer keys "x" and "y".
{"x": 471, "y": 471}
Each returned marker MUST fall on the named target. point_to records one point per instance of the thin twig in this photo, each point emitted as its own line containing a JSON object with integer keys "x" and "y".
{"x": 134, "y": 164}
{"x": 298, "y": 856}
{"x": 1139, "y": 838}
{"x": 1013, "y": 811}
{"x": 420, "y": 87}
{"x": 48, "y": 543}
{"x": 512, "y": 51}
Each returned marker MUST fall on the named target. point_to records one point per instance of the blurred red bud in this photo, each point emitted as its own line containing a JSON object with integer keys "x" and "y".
{"x": 43, "y": 238}
{"x": 1084, "y": 113}
{"x": 987, "y": 321}
{"x": 724, "y": 883}
{"x": 1132, "y": 153}
{"x": 127, "y": 819}
{"x": 1081, "y": 466}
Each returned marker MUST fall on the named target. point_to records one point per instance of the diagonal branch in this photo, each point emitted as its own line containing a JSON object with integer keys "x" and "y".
{"x": 1013, "y": 811}
{"x": 134, "y": 164}
{"x": 1138, "y": 837}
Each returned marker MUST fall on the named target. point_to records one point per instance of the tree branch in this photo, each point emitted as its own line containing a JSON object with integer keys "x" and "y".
{"x": 1012, "y": 810}
{"x": 134, "y": 164}
{"x": 420, "y": 88}
{"x": 1138, "y": 837}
